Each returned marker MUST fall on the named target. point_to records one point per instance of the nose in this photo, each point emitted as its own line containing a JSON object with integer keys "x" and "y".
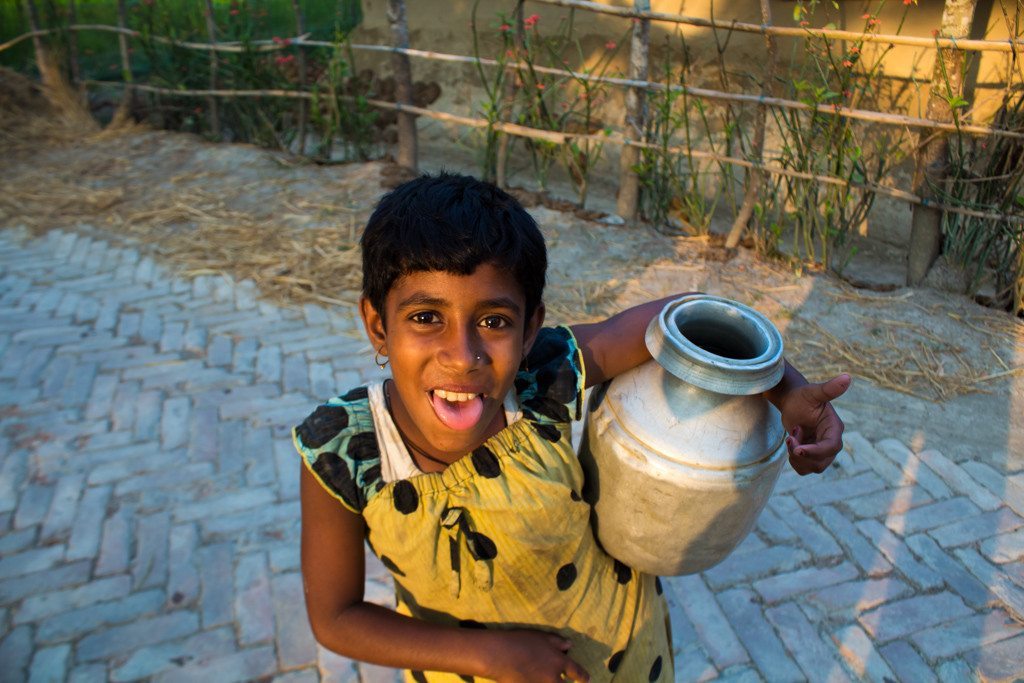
{"x": 461, "y": 350}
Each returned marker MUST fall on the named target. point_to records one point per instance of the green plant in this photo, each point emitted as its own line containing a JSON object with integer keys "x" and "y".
{"x": 817, "y": 142}
{"x": 340, "y": 108}
{"x": 680, "y": 192}
{"x": 555, "y": 102}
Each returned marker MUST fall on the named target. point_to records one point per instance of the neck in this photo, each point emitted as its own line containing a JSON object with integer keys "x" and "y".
{"x": 418, "y": 454}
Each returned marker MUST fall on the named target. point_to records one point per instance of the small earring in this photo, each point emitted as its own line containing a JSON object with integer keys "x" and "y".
{"x": 377, "y": 356}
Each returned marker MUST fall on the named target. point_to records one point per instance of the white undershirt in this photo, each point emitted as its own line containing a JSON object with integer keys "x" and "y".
{"x": 395, "y": 461}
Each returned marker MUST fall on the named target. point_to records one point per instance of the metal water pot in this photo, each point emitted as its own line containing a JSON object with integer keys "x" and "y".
{"x": 682, "y": 453}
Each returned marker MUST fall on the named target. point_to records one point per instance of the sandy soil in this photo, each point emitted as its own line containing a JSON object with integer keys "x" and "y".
{"x": 931, "y": 368}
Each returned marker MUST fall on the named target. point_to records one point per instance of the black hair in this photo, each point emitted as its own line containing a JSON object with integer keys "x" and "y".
{"x": 451, "y": 223}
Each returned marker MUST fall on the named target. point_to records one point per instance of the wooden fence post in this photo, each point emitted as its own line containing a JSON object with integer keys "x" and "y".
{"x": 933, "y": 151}
{"x": 42, "y": 56}
{"x": 407, "y": 152}
{"x": 510, "y": 95}
{"x": 126, "y": 64}
{"x": 755, "y": 176}
{"x": 636, "y": 115}
{"x": 212, "y": 106}
{"x": 300, "y": 29}
{"x": 73, "y": 66}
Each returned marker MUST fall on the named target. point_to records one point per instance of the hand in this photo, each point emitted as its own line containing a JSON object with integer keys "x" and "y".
{"x": 814, "y": 432}
{"x": 523, "y": 656}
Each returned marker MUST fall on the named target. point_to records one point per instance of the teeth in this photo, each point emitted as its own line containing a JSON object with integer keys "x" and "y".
{"x": 454, "y": 396}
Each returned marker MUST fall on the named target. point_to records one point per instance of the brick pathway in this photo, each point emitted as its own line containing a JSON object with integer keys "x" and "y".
{"x": 149, "y": 514}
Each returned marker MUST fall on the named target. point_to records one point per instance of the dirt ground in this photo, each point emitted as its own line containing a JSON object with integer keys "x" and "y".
{"x": 932, "y": 368}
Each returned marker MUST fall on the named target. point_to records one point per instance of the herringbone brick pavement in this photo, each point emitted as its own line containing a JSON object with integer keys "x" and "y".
{"x": 149, "y": 514}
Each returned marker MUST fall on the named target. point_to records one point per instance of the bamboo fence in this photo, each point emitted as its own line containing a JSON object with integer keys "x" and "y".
{"x": 633, "y": 85}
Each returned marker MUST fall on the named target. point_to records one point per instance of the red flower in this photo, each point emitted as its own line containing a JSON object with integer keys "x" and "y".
{"x": 531, "y": 20}
{"x": 510, "y": 53}
{"x": 907, "y": 2}
{"x": 277, "y": 41}
{"x": 847, "y": 63}
{"x": 284, "y": 59}
{"x": 504, "y": 28}
{"x": 854, "y": 50}
{"x": 610, "y": 45}
{"x": 866, "y": 15}
{"x": 805, "y": 23}
{"x": 541, "y": 86}
{"x": 234, "y": 13}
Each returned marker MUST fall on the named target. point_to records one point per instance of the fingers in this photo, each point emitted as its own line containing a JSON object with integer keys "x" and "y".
{"x": 830, "y": 390}
{"x": 575, "y": 672}
{"x": 817, "y": 456}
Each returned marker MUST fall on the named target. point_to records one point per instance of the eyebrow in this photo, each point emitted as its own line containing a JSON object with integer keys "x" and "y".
{"x": 421, "y": 299}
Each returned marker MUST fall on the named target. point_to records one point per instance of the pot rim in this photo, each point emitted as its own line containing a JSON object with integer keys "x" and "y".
{"x": 692, "y": 363}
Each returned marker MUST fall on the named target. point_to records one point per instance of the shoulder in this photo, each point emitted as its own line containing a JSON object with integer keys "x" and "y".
{"x": 338, "y": 444}
{"x": 551, "y": 381}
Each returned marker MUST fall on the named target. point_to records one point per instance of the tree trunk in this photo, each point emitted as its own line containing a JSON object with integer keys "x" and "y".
{"x": 407, "y": 152}
{"x": 300, "y": 29}
{"x": 755, "y": 176}
{"x": 212, "y": 107}
{"x": 636, "y": 115}
{"x": 933, "y": 151}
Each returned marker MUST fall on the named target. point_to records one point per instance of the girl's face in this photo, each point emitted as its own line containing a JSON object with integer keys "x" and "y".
{"x": 455, "y": 343}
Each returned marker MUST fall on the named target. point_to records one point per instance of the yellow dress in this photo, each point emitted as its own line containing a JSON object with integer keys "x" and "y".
{"x": 501, "y": 538}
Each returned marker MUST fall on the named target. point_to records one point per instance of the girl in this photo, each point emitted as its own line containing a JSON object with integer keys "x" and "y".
{"x": 458, "y": 473}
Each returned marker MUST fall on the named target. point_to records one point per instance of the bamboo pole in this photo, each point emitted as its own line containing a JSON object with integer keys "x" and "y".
{"x": 846, "y": 112}
{"x": 755, "y": 178}
{"x": 561, "y": 138}
{"x": 933, "y": 152}
{"x": 1010, "y": 45}
{"x": 511, "y": 86}
{"x": 212, "y": 105}
{"x": 628, "y": 198}
{"x": 407, "y": 146}
{"x": 300, "y": 29}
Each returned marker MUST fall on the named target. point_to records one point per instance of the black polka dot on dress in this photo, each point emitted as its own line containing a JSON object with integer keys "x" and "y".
{"x": 486, "y": 463}
{"x": 566, "y": 576}
{"x": 622, "y": 573}
{"x": 549, "y": 432}
{"x": 655, "y": 670}
{"x": 406, "y": 499}
{"x": 322, "y": 426}
{"x": 616, "y": 660}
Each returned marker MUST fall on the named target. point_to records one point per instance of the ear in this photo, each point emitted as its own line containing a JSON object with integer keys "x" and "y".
{"x": 373, "y": 323}
{"x": 532, "y": 327}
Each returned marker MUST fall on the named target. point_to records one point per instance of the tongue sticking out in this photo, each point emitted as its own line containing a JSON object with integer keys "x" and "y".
{"x": 458, "y": 415}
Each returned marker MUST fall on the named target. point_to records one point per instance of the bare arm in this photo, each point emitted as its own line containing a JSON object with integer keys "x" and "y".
{"x": 333, "y": 575}
{"x": 613, "y": 346}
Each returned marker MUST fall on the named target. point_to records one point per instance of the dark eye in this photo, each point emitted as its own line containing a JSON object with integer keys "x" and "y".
{"x": 424, "y": 318}
{"x": 495, "y": 322}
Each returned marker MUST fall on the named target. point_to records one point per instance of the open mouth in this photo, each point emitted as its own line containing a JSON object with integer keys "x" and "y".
{"x": 457, "y": 410}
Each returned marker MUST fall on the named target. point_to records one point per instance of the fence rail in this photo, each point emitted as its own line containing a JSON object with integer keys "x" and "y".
{"x": 303, "y": 40}
{"x": 707, "y": 93}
